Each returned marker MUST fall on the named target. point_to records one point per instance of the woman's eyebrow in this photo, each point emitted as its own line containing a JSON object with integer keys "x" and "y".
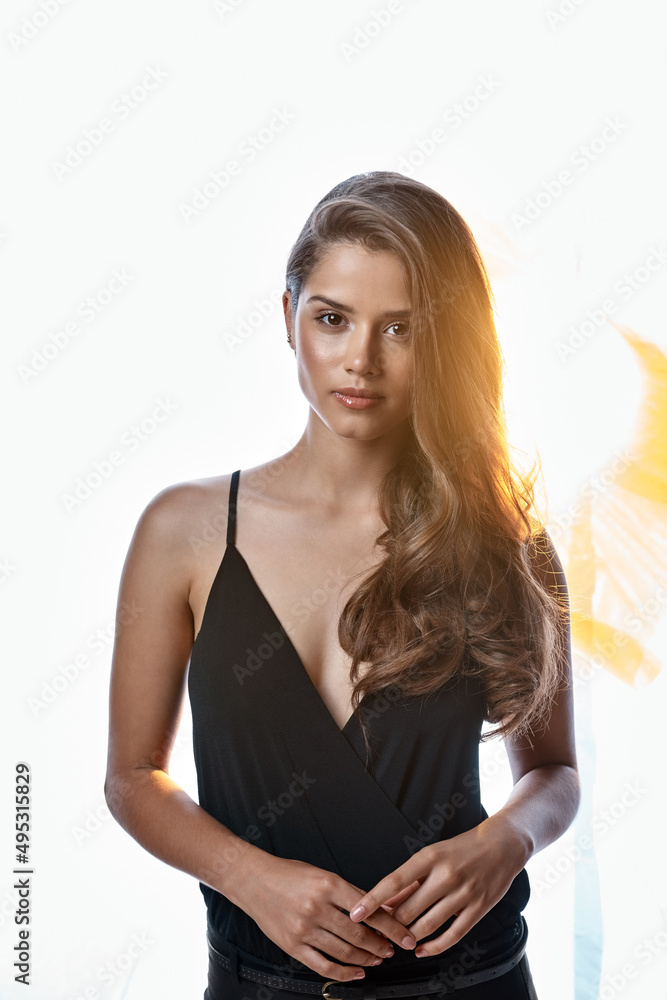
{"x": 403, "y": 313}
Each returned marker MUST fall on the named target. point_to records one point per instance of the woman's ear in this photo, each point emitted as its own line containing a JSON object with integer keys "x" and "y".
{"x": 287, "y": 310}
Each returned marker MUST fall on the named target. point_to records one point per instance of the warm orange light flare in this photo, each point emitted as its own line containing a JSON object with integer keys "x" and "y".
{"x": 617, "y": 568}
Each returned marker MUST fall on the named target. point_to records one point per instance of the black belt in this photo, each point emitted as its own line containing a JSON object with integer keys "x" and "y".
{"x": 370, "y": 989}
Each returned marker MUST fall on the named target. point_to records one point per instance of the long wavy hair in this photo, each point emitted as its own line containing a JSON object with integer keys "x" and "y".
{"x": 457, "y": 593}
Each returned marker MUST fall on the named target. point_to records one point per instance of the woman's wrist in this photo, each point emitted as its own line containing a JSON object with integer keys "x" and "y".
{"x": 513, "y": 835}
{"x": 234, "y": 863}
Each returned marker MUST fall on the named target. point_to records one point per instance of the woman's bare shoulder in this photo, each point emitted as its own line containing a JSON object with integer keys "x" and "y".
{"x": 190, "y": 497}
{"x": 187, "y": 511}
{"x": 183, "y": 510}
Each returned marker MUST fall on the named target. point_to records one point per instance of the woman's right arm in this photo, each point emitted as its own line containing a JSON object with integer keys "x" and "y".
{"x": 300, "y": 907}
{"x": 148, "y": 679}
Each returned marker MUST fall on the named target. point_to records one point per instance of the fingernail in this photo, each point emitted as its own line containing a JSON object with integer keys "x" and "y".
{"x": 408, "y": 942}
{"x": 358, "y": 911}
{"x": 359, "y": 975}
{"x": 376, "y": 961}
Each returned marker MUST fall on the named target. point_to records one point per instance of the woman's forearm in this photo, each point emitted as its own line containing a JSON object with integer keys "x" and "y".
{"x": 163, "y": 818}
{"x": 540, "y": 808}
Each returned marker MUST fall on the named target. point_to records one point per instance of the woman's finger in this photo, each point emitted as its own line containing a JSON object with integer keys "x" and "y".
{"x": 389, "y": 927}
{"x": 362, "y": 941}
{"x": 466, "y": 918}
{"x": 416, "y": 902}
{"x": 387, "y": 888}
{"x": 315, "y": 960}
{"x": 383, "y": 922}
{"x": 341, "y": 949}
{"x": 400, "y": 896}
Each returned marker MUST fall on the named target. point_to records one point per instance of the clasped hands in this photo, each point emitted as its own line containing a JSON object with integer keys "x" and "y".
{"x": 316, "y": 916}
{"x": 462, "y": 877}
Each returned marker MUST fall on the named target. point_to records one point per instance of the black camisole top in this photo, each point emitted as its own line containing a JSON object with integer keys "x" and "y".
{"x": 274, "y": 767}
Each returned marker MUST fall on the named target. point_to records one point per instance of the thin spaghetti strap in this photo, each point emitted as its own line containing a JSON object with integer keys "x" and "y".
{"x": 231, "y": 512}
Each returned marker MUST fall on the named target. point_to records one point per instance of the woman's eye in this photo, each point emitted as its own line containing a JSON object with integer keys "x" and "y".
{"x": 334, "y": 319}
{"x": 402, "y": 332}
{"x": 321, "y": 318}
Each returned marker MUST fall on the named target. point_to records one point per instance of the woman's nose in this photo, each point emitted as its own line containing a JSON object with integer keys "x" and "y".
{"x": 363, "y": 350}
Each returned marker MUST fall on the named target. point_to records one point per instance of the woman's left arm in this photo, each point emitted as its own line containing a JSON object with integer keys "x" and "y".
{"x": 468, "y": 874}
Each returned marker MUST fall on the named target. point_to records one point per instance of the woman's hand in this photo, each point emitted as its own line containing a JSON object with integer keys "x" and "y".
{"x": 390, "y": 904}
{"x": 463, "y": 876}
{"x": 305, "y": 911}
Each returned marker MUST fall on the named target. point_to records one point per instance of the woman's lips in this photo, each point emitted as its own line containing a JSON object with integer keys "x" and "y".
{"x": 357, "y": 402}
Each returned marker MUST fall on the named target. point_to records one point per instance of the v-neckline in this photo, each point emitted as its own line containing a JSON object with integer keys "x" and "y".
{"x": 292, "y": 647}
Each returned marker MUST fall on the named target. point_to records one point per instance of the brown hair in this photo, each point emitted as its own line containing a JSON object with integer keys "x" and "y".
{"x": 458, "y": 593}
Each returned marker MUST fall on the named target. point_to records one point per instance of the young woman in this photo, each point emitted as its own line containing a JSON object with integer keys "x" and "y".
{"x": 352, "y": 612}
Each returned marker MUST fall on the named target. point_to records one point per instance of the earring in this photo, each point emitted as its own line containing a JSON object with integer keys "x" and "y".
{"x": 289, "y": 339}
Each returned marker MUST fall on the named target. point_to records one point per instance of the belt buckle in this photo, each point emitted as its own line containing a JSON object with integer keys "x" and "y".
{"x": 330, "y": 982}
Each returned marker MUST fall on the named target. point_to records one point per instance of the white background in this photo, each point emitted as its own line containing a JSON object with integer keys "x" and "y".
{"x": 358, "y": 96}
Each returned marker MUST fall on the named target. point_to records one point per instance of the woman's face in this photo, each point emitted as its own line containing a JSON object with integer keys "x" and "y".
{"x": 352, "y": 331}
